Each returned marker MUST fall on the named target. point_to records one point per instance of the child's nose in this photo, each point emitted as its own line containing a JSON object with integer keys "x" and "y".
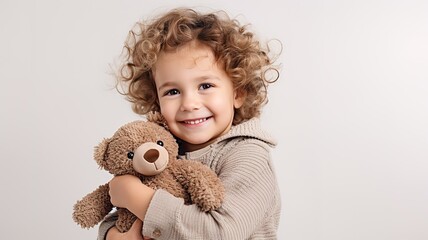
{"x": 190, "y": 102}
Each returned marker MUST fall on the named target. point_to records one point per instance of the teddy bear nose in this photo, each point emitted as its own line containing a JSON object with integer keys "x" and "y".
{"x": 151, "y": 155}
{"x": 150, "y": 159}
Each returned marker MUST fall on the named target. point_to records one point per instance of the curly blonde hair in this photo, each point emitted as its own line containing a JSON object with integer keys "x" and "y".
{"x": 241, "y": 55}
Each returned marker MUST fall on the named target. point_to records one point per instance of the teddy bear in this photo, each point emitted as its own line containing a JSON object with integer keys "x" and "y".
{"x": 149, "y": 151}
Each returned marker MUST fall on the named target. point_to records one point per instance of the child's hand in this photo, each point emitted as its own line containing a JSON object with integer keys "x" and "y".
{"x": 129, "y": 192}
{"x": 134, "y": 233}
{"x": 124, "y": 189}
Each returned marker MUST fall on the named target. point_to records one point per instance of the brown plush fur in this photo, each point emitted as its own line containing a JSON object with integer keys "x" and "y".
{"x": 186, "y": 179}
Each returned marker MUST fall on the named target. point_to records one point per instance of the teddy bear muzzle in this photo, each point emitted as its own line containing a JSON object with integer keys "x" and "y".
{"x": 150, "y": 159}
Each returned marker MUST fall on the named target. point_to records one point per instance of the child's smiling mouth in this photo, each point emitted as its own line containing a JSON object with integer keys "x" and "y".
{"x": 195, "y": 121}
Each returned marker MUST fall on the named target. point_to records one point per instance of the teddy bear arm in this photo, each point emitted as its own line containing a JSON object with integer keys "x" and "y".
{"x": 125, "y": 219}
{"x": 204, "y": 187}
{"x": 93, "y": 207}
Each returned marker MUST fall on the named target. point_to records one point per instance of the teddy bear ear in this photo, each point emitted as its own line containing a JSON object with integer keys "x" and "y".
{"x": 157, "y": 118}
{"x": 100, "y": 152}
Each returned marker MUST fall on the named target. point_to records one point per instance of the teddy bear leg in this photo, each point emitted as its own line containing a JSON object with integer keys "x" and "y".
{"x": 125, "y": 220}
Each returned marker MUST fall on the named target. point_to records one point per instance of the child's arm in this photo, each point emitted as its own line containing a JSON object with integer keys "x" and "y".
{"x": 251, "y": 197}
{"x": 108, "y": 231}
{"x": 128, "y": 192}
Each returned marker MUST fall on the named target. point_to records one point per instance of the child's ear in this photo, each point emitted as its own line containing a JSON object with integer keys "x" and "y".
{"x": 239, "y": 98}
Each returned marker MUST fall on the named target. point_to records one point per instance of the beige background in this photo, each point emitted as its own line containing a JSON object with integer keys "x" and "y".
{"x": 350, "y": 111}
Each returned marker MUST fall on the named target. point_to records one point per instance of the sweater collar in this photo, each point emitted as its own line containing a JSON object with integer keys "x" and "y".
{"x": 248, "y": 129}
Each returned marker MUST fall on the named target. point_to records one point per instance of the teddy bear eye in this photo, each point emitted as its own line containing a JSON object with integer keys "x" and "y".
{"x": 160, "y": 143}
{"x": 130, "y": 155}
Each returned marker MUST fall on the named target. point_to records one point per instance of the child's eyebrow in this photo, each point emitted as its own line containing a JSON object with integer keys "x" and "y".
{"x": 210, "y": 77}
{"x": 166, "y": 85}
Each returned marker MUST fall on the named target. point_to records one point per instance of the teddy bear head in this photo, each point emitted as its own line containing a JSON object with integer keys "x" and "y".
{"x": 139, "y": 148}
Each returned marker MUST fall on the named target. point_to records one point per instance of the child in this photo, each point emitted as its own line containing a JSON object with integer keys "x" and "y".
{"x": 204, "y": 74}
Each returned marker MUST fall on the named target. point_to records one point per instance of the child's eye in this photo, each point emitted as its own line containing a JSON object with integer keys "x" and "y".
{"x": 205, "y": 86}
{"x": 172, "y": 92}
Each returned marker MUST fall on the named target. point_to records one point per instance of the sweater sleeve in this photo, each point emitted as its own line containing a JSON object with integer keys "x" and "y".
{"x": 251, "y": 195}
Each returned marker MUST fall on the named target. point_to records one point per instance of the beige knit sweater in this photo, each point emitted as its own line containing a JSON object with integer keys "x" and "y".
{"x": 251, "y": 208}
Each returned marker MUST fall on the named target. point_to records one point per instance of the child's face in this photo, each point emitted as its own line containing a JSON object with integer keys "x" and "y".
{"x": 196, "y": 95}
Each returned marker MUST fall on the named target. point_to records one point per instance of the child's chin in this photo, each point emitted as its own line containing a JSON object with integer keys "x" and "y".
{"x": 201, "y": 142}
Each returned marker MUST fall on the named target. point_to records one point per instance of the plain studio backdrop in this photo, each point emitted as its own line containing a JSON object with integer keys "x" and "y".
{"x": 350, "y": 111}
